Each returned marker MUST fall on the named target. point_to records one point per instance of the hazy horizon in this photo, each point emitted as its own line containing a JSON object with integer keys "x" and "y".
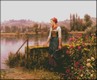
{"x": 43, "y": 11}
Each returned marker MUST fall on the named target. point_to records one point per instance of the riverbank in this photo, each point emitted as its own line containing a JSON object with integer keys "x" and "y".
{"x": 16, "y": 34}
{"x": 21, "y": 73}
{"x": 33, "y": 33}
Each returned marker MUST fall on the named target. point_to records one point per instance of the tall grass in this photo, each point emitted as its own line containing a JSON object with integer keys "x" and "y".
{"x": 37, "y": 59}
{"x": 15, "y": 60}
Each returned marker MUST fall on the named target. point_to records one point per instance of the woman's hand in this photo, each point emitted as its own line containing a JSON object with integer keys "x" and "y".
{"x": 45, "y": 44}
{"x": 60, "y": 43}
{"x": 59, "y": 47}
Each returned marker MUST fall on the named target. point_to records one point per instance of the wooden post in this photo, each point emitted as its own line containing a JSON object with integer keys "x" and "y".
{"x": 27, "y": 52}
{"x": 27, "y": 47}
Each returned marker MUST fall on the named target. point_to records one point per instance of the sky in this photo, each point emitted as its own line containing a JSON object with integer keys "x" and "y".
{"x": 43, "y": 11}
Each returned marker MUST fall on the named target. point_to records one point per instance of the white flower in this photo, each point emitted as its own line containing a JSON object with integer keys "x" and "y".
{"x": 88, "y": 65}
{"x": 71, "y": 67}
{"x": 62, "y": 56}
{"x": 81, "y": 75}
{"x": 92, "y": 58}
{"x": 91, "y": 75}
{"x": 92, "y": 71}
{"x": 88, "y": 60}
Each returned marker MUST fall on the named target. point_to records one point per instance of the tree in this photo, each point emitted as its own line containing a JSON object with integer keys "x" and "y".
{"x": 36, "y": 28}
{"x": 87, "y": 20}
{"x": 7, "y": 29}
{"x": 73, "y": 27}
{"x": 65, "y": 33}
{"x": 14, "y": 29}
{"x": 91, "y": 29}
{"x": 77, "y": 24}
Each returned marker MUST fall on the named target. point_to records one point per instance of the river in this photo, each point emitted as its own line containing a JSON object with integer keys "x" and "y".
{"x": 12, "y": 44}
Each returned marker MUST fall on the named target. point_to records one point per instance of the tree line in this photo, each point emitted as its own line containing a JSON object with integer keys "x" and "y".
{"x": 78, "y": 24}
{"x": 75, "y": 22}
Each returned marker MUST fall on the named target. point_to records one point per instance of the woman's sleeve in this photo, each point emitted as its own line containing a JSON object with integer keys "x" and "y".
{"x": 49, "y": 34}
{"x": 59, "y": 33}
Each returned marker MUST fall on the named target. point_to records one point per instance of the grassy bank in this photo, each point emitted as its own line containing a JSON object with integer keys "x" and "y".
{"x": 20, "y": 34}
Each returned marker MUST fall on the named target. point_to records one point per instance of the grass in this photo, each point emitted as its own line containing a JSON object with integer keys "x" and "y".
{"x": 35, "y": 60}
{"x": 15, "y": 60}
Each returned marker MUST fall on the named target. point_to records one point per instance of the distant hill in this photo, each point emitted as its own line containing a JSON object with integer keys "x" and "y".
{"x": 18, "y": 23}
{"x": 29, "y": 23}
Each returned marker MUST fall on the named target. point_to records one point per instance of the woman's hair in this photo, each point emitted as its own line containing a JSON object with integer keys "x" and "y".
{"x": 54, "y": 19}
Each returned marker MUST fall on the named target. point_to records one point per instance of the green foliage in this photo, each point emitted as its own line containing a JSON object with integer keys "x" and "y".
{"x": 86, "y": 17}
{"x": 7, "y": 29}
{"x": 91, "y": 30}
{"x": 76, "y": 24}
{"x": 14, "y": 29}
{"x": 36, "y": 59}
{"x": 14, "y": 60}
{"x": 65, "y": 33}
{"x": 88, "y": 21}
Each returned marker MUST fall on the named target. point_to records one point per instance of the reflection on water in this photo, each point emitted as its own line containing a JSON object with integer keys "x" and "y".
{"x": 12, "y": 44}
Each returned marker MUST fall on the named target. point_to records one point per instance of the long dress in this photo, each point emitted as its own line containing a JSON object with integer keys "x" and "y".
{"x": 54, "y": 36}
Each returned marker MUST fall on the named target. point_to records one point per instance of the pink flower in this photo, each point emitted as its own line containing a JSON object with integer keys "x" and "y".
{"x": 79, "y": 47}
{"x": 76, "y": 64}
{"x": 67, "y": 70}
{"x": 81, "y": 67}
{"x": 87, "y": 37}
{"x": 71, "y": 46}
{"x": 70, "y": 39}
{"x": 80, "y": 34}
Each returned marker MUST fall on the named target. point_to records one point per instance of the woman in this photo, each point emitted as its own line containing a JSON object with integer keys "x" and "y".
{"x": 54, "y": 40}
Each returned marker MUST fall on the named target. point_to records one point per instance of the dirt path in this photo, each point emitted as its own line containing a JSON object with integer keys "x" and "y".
{"x": 20, "y": 73}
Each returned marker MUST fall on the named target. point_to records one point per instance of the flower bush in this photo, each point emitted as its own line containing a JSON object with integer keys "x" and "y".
{"x": 80, "y": 59}
{"x": 90, "y": 38}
